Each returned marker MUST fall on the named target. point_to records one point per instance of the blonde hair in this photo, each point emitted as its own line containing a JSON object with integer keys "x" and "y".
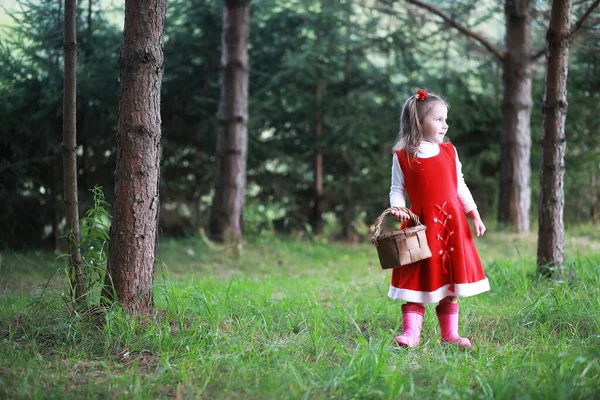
{"x": 413, "y": 113}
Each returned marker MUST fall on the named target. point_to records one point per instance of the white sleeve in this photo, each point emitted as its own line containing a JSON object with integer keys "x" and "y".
{"x": 464, "y": 194}
{"x": 397, "y": 190}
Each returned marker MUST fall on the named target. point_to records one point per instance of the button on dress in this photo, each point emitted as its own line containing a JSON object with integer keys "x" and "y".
{"x": 455, "y": 267}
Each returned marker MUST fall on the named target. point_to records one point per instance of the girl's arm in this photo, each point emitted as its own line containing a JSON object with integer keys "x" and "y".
{"x": 398, "y": 191}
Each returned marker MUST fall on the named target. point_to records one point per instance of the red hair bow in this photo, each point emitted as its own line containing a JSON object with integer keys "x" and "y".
{"x": 422, "y": 94}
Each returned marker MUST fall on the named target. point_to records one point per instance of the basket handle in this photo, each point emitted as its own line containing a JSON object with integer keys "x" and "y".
{"x": 379, "y": 221}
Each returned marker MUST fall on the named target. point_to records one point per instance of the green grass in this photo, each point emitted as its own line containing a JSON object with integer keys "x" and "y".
{"x": 302, "y": 320}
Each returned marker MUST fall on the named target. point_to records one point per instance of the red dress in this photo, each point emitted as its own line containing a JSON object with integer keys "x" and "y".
{"x": 454, "y": 268}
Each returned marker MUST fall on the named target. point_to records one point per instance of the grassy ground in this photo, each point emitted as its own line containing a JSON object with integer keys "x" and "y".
{"x": 300, "y": 319}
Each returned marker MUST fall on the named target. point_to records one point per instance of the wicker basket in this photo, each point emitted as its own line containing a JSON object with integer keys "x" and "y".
{"x": 401, "y": 247}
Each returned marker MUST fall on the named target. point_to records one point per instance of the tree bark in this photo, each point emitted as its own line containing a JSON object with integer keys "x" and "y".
{"x": 232, "y": 144}
{"x": 594, "y": 196}
{"x": 550, "y": 253}
{"x": 317, "y": 214}
{"x": 69, "y": 149}
{"x": 348, "y": 213}
{"x": 89, "y": 20}
{"x": 133, "y": 230}
{"x": 515, "y": 170}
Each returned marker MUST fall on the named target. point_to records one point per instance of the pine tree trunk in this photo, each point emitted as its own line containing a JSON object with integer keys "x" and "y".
{"x": 594, "y": 196}
{"x": 232, "y": 144}
{"x": 550, "y": 254}
{"x": 133, "y": 231}
{"x": 515, "y": 171}
{"x": 69, "y": 152}
{"x": 89, "y": 20}
{"x": 348, "y": 217}
{"x": 317, "y": 217}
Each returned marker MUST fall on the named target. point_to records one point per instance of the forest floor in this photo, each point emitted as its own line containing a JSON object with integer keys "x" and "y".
{"x": 302, "y": 319}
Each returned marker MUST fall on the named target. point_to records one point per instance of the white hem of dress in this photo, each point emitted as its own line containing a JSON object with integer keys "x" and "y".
{"x": 460, "y": 290}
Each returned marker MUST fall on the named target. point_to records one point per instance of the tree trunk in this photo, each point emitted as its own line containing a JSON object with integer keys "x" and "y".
{"x": 594, "y": 196}
{"x": 550, "y": 254}
{"x": 69, "y": 149}
{"x": 348, "y": 213}
{"x": 317, "y": 217}
{"x": 232, "y": 144}
{"x": 515, "y": 170}
{"x": 133, "y": 231}
{"x": 89, "y": 20}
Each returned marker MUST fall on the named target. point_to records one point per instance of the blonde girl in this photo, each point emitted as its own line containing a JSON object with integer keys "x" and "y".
{"x": 427, "y": 169}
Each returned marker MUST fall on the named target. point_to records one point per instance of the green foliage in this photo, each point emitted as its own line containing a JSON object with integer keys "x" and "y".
{"x": 190, "y": 98}
{"x": 364, "y": 59}
{"x": 30, "y": 91}
{"x": 288, "y": 319}
{"x": 31, "y": 110}
{"x": 582, "y": 158}
{"x": 94, "y": 240}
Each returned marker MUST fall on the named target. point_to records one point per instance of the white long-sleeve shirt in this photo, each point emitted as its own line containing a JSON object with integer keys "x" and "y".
{"x": 427, "y": 150}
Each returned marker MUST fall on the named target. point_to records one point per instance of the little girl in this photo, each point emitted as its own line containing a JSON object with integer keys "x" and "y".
{"x": 426, "y": 167}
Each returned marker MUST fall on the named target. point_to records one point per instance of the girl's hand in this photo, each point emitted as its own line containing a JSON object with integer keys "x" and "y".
{"x": 477, "y": 222}
{"x": 400, "y": 215}
{"x": 479, "y": 227}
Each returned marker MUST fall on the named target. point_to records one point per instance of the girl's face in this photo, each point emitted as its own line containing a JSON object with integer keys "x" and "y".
{"x": 434, "y": 123}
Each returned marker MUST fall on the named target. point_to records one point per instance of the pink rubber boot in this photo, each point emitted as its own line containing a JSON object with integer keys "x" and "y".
{"x": 412, "y": 321}
{"x": 447, "y": 314}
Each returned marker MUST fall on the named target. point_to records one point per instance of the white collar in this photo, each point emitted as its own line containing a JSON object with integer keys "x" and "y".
{"x": 428, "y": 149}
